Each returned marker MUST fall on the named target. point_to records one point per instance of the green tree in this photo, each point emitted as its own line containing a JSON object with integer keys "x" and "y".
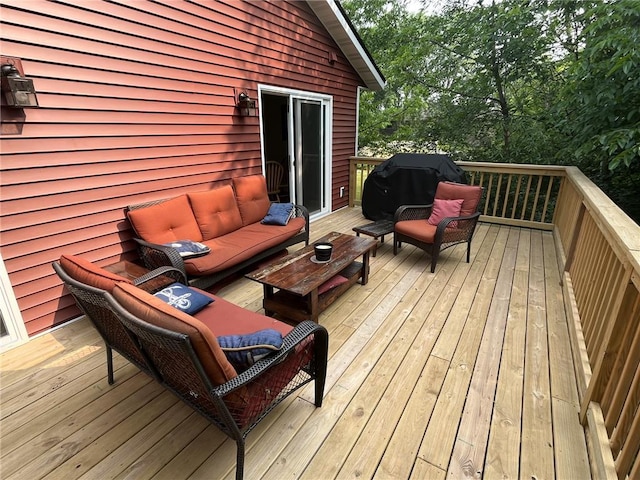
{"x": 527, "y": 81}
{"x": 390, "y": 33}
{"x": 490, "y": 75}
{"x": 475, "y": 80}
{"x": 601, "y": 101}
{"x": 599, "y": 108}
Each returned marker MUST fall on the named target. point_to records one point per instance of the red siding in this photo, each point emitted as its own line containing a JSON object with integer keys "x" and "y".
{"x": 136, "y": 103}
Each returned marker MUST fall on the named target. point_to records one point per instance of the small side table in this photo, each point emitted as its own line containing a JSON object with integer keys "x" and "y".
{"x": 376, "y": 229}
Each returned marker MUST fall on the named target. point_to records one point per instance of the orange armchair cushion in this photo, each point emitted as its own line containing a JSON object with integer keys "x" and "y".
{"x": 216, "y": 211}
{"x": 252, "y": 197}
{"x": 154, "y": 311}
{"x": 418, "y": 229}
{"x": 470, "y": 194}
{"x": 86, "y": 272}
{"x": 166, "y": 222}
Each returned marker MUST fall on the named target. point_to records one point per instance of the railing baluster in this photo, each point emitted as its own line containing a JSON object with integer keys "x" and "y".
{"x": 546, "y": 200}
{"x": 506, "y": 197}
{"x": 526, "y": 198}
{"x": 497, "y": 197}
{"x": 537, "y": 197}
{"x": 489, "y": 191}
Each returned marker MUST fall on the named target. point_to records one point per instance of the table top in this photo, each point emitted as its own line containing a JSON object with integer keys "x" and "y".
{"x": 296, "y": 272}
{"x": 381, "y": 227}
{"x": 126, "y": 269}
{"x": 132, "y": 271}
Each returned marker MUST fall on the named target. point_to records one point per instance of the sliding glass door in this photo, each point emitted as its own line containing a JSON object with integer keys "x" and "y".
{"x": 306, "y": 131}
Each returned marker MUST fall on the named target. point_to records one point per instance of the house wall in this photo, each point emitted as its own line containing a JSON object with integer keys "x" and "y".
{"x": 137, "y": 103}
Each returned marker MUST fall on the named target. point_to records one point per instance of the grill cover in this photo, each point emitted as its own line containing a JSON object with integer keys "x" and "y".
{"x": 406, "y": 179}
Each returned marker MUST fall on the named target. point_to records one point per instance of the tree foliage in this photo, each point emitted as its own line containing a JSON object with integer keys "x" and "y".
{"x": 601, "y": 98}
{"x": 527, "y": 81}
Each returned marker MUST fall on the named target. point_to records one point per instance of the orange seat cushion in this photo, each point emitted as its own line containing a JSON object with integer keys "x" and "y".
{"x": 216, "y": 211}
{"x": 470, "y": 194}
{"x": 240, "y": 245}
{"x": 251, "y": 195}
{"x": 86, "y": 272}
{"x": 418, "y": 229}
{"x": 166, "y": 222}
{"x": 225, "y": 318}
{"x": 156, "y": 312}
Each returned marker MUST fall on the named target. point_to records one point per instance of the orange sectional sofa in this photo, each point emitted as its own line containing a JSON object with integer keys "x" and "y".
{"x": 226, "y": 219}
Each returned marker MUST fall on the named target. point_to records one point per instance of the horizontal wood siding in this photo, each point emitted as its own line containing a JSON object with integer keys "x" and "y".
{"x": 137, "y": 103}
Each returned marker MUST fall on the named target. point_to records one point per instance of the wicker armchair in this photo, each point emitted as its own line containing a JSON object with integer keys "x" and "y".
{"x": 92, "y": 301}
{"x": 411, "y": 226}
{"x": 179, "y": 362}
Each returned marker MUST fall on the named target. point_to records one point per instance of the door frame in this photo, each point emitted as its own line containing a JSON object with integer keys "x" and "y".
{"x": 10, "y": 311}
{"x": 327, "y": 108}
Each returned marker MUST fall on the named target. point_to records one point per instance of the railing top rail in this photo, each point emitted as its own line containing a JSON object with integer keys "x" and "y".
{"x": 548, "y": 170}
{"x": 621, "y": 231}
{"x": 368, "y": 159}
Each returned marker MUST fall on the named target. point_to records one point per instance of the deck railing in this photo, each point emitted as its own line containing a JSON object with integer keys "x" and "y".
{"x": 599, "y": 260}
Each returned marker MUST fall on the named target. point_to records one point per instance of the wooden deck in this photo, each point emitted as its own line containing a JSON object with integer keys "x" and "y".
{"x": 463, "y": 373}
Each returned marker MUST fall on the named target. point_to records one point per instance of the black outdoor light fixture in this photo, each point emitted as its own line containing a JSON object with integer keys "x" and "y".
{"x": 17, "y": 90}
{"x": 245, "y": 104}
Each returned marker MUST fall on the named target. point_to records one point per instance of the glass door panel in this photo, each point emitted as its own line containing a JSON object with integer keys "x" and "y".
{"x": 309, "y": 154}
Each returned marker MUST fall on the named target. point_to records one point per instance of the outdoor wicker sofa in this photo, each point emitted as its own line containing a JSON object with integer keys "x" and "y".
{"x": 228, "y": 220}
{"x": 183, "y": 353}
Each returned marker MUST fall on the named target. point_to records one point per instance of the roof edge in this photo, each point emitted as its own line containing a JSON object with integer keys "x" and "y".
{"x": 343, "y": 32}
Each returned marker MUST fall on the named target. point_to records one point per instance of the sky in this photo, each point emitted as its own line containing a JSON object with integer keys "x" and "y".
{"x": 430, "y": 6}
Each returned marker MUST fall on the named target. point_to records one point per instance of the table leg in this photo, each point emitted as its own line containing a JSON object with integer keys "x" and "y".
{"x": 267, "y": 294}
{"x": 312, "y": 304}
{"x": 365, "y": 268}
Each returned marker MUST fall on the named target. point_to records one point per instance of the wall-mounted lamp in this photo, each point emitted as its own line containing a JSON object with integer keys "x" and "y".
{"x": 245, "y": 104}
{"x": 17, "y": 90}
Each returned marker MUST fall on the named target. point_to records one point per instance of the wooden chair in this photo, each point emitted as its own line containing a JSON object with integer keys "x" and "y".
{"x": 411, "y": 225}
{"x": 274, "y": 172}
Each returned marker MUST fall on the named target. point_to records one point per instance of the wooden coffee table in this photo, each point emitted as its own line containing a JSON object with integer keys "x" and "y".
{"x": 291, "y": 283}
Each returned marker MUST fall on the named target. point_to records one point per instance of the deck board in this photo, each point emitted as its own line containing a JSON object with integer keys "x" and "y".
{"x": 466, "y": 372}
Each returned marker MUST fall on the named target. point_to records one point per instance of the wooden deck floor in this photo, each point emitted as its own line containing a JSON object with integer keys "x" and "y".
{"x": 463, "y": 373}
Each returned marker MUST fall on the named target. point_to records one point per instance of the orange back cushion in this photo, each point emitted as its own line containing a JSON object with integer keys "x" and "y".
{"x": 470, "y": 194}
{"x": 216, "y": 211}
{"x": 156, "y": 312}
{"x": 166, "y": 222}
{"x": 86, "y": 272}
{"x": 252, "y": 197}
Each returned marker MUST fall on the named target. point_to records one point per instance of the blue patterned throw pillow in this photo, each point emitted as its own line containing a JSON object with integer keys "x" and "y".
{"x": 279, "y": 214}
{"x": 245, "y": 350}
{"x": 184, "y": 298}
